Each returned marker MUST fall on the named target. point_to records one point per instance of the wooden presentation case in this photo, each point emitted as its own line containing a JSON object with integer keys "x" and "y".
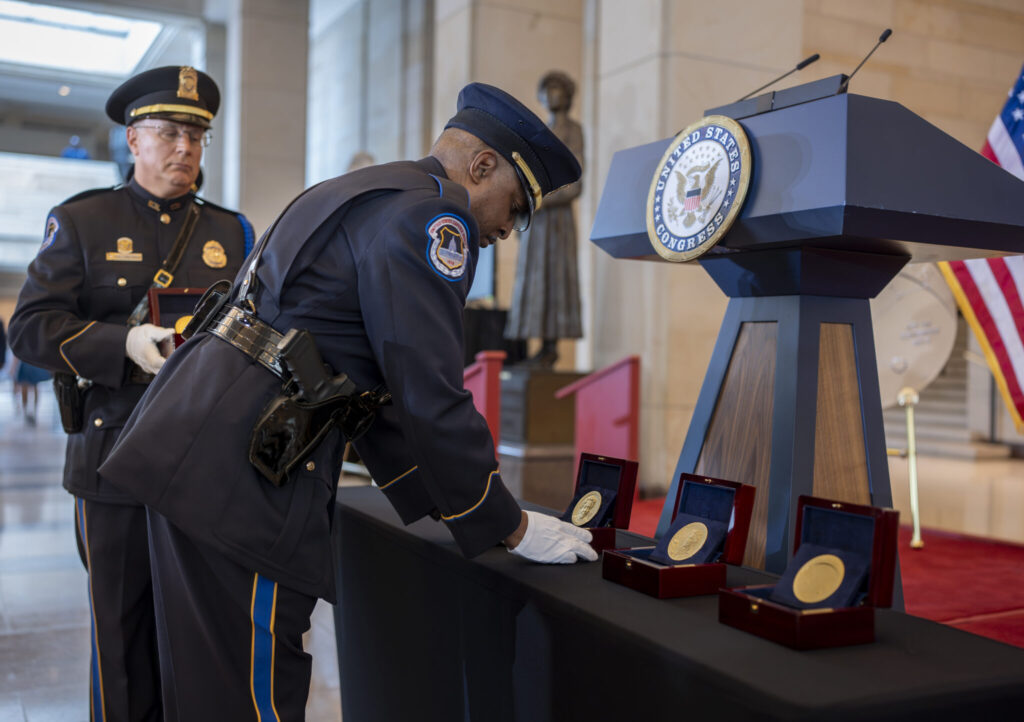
{"x": 167, "y": 305}
{"x": 632, "y": 568}
{"x": 622, "y": 505}
{"x": 749, "y": 609}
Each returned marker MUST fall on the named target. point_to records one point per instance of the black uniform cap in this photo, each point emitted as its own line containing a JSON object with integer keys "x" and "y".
{"x": 544, "y": 163}
{"x": 179, "y": 93}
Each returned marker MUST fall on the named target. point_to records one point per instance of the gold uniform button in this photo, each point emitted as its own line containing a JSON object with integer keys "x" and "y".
{"x": 310, "y": 466}
{"x": 164, "y": 218}
{"x": 122, "y": 282}
{"x": 97, "y": 422}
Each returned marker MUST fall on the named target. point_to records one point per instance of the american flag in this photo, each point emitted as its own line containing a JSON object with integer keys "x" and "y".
{"x": 692, "y": 200}
{"x": 990, "y": 291}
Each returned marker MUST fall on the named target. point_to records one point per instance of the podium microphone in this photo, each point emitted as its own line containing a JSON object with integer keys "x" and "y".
{"x": 799, "y": 66}
{"x": 881, "y": 39}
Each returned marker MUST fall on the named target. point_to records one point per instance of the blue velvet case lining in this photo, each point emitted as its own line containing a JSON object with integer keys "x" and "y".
{"x": 175, "y": 305}
{"x": 829, "y": 531}
{"x": 605, "y": 514}
{"x": 601, "y": 477}
{"x": 710, "y": 551}
{"x": 849, "y": 592}
{"x": 599, "y": 474}
{"x": 707, "y": 501}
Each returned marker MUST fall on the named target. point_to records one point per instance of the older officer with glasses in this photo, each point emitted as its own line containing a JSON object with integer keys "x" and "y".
{"x": 82, "y": 314}
{"x": 350, "y": 310}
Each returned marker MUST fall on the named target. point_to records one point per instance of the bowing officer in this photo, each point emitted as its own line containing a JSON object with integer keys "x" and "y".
{"x": 240, "y": 480}
{"x": 79, "y": 315}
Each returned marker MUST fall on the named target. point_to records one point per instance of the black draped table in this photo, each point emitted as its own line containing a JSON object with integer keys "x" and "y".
{"x": 425, "y": 634}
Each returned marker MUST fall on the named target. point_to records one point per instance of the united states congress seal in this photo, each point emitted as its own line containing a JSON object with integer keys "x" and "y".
{"x": 698, "y": 188}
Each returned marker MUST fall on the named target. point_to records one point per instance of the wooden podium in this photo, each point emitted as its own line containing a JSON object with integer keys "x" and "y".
{"x": 845, "y": 190}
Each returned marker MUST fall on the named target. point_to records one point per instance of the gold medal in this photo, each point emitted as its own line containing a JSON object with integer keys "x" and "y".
{"x": 819, "y": 578}
{"x": 181, "y": 323}
{"x": 687, "y": 541}
{"x": 214, "y": 255}
{"x": 586, "y": 508}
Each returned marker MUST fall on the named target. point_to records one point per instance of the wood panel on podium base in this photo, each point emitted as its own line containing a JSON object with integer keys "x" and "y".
{"x": 790, "y": 402}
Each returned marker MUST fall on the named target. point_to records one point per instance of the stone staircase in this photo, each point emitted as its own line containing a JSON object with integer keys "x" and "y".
{"x": 940, "y": 417}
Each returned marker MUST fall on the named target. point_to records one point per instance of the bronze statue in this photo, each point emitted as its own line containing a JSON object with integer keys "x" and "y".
{"x": 546, "y": 296}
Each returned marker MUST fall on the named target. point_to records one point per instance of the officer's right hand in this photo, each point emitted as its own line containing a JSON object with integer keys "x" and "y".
{"x": 552, "y": 541}
{"x": 141, "y": 346}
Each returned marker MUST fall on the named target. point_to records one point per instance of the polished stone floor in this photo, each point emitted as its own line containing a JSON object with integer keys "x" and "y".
{"x": 44, "y": 623}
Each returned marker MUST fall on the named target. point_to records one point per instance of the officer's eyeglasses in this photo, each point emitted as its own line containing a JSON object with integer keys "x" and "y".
{"x": 170, "y": 134}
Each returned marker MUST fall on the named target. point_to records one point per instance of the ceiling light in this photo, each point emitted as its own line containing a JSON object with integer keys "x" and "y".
{"x": 86, "y": 42}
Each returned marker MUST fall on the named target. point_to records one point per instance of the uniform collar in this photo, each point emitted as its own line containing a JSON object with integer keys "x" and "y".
{"x": 154, "y": 203}
{"x": 432, "y": 166}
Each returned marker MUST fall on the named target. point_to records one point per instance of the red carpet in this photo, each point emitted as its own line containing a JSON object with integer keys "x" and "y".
{"x": 966, "y": 582}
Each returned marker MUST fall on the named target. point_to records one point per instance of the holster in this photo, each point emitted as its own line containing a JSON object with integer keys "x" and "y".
{"x": 70, "y": 401}
{"x": 311, "y": 403}
{"x": 289, "y": 429}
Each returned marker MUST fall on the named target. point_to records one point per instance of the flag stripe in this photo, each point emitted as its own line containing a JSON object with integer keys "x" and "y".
{"x": 949, "y": 272}
{"x": 1000, "y": 328}
{"x": 987, "y": 328}
{"x": 988, "y": 290}
{"x": 1004, "y": 148}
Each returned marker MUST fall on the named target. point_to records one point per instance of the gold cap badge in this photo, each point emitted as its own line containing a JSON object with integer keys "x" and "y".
{"x": 187, "y": 83}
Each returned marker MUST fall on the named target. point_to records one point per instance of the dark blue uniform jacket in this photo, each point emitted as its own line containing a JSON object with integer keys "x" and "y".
{"x": 98, "y": 258}
{"x": 376, "y": 264}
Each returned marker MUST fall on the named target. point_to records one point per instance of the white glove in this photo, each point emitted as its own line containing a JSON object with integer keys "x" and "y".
{"x": 552, "y": 541}
{"x": 141, "y": 346}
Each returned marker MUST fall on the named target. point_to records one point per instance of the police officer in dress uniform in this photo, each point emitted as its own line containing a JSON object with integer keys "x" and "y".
{"x": 103, "y": 249}
{"x": 376, "y": 265}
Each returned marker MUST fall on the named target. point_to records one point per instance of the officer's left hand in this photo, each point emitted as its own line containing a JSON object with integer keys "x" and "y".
{"x": 141, "y": 346}
{"x": 552, "y": 541}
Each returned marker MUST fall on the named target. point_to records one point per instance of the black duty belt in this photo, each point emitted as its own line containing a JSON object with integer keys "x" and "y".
{"x": 256, "y": 339}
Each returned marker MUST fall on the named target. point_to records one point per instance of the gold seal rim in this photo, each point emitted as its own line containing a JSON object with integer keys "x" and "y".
{"x": 690, "y": 531}
{"x": 741, "y": 193}
{"x": 810, "y": 587}
{"x": 577, "y": 518}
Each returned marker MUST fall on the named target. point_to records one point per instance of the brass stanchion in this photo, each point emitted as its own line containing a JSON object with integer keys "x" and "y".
{"x": 908, "y": 398}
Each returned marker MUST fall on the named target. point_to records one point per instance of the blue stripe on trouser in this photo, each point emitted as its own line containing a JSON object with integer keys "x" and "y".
{"x": 97, "y": 712}
{"x": 264, "y": 602}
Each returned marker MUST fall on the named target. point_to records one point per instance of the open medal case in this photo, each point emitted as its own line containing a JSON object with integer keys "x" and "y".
{"x": 709, "y": 529}
{"x": 603, "y": 497}
{"x": 173, "y": 307}
{"x": 843, "y": 566}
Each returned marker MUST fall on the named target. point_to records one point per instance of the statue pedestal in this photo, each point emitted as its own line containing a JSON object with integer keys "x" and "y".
{"x": 530, "y": 413}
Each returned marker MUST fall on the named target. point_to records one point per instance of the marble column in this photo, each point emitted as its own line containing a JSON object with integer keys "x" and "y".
{"x": 264, "y": 117}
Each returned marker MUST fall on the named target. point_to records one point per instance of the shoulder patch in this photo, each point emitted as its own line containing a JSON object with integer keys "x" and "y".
{"x": 447, "y": 248}
{"x": 52, "y": 226}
